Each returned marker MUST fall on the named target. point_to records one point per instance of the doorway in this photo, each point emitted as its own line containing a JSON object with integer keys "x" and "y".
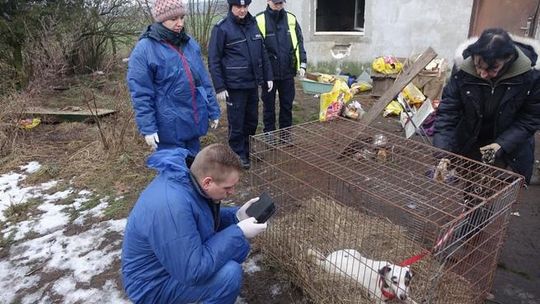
{"x": 517, "y": 17}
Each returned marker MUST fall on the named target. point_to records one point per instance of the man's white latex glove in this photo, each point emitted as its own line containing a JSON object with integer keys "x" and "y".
{"x": 214, "y": 123}
{"x": 302, "y": 72}
{"x": 152, "y": 140}
{"x": 251, "y": 228}
{"x": 222, "y": 96}
{"x": 241, "y": 213}
{"x": 270, "y": 85}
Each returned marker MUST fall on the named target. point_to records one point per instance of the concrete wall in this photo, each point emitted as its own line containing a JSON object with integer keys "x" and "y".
{"x": 392, "y": 27}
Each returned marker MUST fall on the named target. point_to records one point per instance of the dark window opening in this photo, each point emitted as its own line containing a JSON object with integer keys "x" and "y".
{"x": 340, "y": 15}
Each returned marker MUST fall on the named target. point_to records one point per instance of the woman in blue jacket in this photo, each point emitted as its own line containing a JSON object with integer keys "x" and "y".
{"x": 180, "y": 245}
{"x": 170, "y": 89}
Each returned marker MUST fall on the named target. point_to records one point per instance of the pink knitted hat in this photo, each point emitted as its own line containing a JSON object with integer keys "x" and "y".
{"x": 167, "y": 9}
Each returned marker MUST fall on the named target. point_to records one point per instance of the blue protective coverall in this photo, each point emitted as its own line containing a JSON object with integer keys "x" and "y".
{"x": 176, "y": 249}
{"x": 171, "y": 92}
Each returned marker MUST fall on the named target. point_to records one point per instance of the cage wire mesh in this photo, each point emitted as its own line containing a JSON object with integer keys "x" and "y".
{"x": 342, "y": 185}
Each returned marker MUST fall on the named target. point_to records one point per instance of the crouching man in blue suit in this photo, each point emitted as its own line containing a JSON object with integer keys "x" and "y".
{"x": 179, "y": 245}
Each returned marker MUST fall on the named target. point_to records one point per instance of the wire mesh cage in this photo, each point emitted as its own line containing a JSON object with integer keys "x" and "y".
{"x": 366, "y": 216}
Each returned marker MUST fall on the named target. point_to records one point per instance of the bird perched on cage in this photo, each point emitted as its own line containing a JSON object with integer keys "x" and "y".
{"x": 383, "y": 280}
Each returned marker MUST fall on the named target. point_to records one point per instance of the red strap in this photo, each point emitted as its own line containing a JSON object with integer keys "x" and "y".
{"x": 191, "y": 82}
{"x": 439, "y": 243}
{"x": 387, "y": 294}
{"x": 413, "y": 259}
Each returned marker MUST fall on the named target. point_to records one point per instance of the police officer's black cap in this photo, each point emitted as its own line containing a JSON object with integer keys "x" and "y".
{"x": 239, "y": 2}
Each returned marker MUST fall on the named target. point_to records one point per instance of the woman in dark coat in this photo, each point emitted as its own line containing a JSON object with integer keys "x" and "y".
{"x": 492, "y": 103}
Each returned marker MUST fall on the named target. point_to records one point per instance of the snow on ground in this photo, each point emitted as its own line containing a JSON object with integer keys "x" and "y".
{"x": 46, "y": 264}
{"x": 41, "y": 248}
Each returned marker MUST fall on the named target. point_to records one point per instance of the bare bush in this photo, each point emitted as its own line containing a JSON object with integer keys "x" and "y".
{"x": 104, "y": 24}
{"x": 47, "y": 41}
{"x": 202, "y": 16}
{"x": 8, "y": 76}
{"x": 11, "y": 113}
{"x": 118, "y": 131}
{"x": 45, "y": 52}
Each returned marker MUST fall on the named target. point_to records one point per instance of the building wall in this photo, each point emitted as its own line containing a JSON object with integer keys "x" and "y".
{"x": 392, "y": 27}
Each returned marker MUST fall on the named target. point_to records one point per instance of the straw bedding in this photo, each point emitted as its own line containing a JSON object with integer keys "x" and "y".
{"x": 326, "y": 226}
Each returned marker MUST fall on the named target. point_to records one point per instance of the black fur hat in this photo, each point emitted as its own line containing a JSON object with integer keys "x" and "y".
{"x": 493, "y": 44}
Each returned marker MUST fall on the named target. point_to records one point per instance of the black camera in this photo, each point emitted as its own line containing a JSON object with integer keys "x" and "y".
{"x": 262, "y": 209}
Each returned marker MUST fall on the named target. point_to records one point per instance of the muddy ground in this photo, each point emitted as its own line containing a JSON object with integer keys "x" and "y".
{"x": 517, "y": 279}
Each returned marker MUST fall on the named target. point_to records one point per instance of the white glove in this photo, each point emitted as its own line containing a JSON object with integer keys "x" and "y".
{"x": 270, "y": 85}
{"x": 494, "y": 146}
{"x": 241, "y": 213}
{"x": 222, "y": 96}
{"x": 489, "y": 153}
{"x": 152, "y": 140}
{"x": 214, "y": 123}
{"x": 251, "y": 228}
{"x": 302, "y": 72}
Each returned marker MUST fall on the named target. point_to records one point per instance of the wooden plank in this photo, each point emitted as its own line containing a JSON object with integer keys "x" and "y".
{"x": 402, "y": 81}
{"x": 67, "y": 111}
{"x": 67, "y": 114}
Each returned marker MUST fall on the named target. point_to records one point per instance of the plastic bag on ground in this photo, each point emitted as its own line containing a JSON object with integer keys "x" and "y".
{"x": 387, "y": 65}
{"x": 360, "y": 86}
{"x": 353, "y": 110}
{"x": 393, "y": 108}
{"x": 331, "y": 103}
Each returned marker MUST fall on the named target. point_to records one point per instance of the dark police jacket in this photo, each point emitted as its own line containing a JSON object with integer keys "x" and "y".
{"x": 237, "y": 58}
{"x": 281, "y": 51}
{"x": 460, "y": 126}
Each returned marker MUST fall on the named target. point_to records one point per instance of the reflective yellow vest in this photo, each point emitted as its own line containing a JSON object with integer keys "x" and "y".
{"x": 291, "y": 21}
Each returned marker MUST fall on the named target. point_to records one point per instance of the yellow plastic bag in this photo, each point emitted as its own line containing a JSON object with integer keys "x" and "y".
{"x": 413, "y": 95}
{"x": 29, "y": 123}
{"x": 393, "y": 108}
{"x": 331, "y": 103}
{"x": 387, "y": 65}
{"x": 360, "y": 86}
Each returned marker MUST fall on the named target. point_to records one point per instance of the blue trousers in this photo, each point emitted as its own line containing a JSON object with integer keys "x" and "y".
{"x": 285, "y": 89}
{"x": 222, "y": 288}
{"x": 242, "y": 116}
{"x": 193, "y": 146}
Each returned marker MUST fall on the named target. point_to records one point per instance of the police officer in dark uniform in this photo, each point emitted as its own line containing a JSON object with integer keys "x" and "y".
{"x": 285, "y": 45}
{"x": 238, "y": 63}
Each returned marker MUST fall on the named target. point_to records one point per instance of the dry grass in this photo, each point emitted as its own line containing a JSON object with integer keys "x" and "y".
{"x": 106, "y": 157}
{"x": 12, "y": 105}
{"x": 326, "y": 226}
